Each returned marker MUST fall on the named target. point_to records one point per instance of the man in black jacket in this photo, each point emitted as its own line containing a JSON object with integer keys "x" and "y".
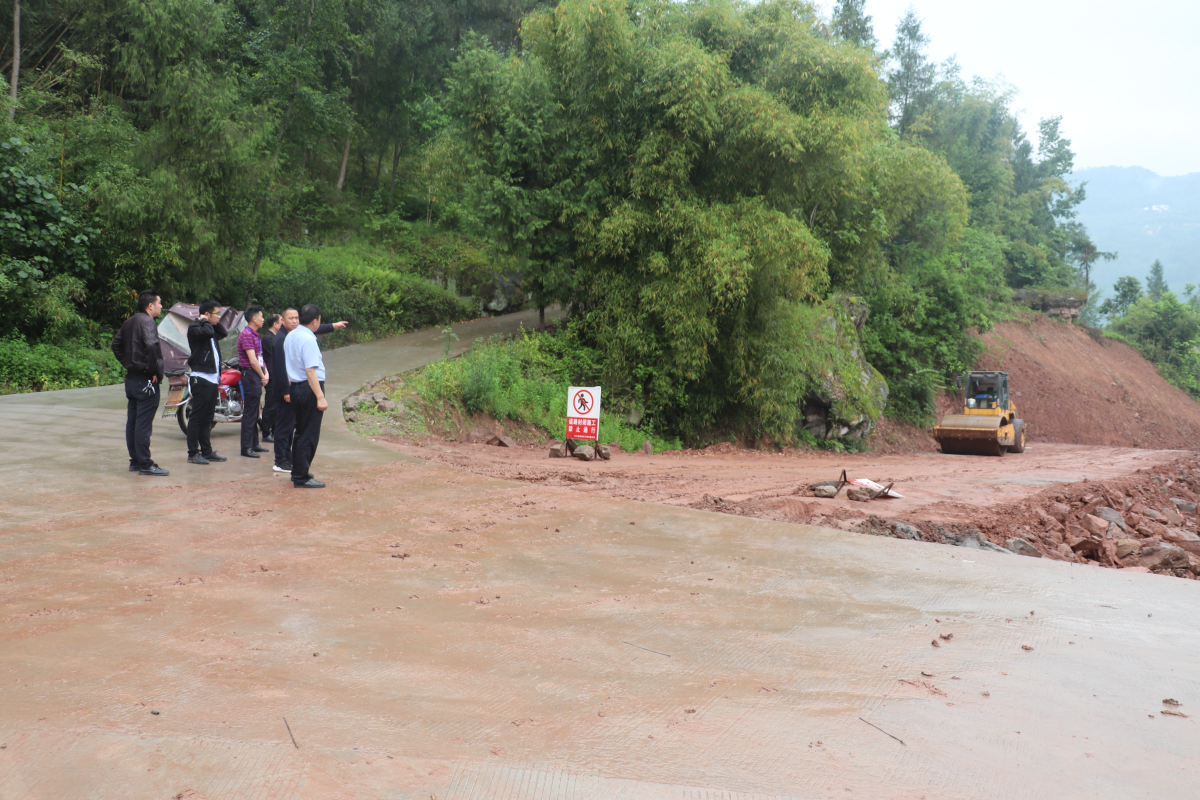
{"x": 267, "y": 334}
{"x": 205, "y": 362}
{"x": 285, "y": 413}
{"x": 136, "y": 347}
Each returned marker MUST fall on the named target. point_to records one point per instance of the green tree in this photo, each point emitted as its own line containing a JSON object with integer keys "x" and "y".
{"x": 851, "y": 23}
{"x": 1126, "y": 292}
{"x": 682, "y": 176}
{"x": 1167, "y": 333}
{"x": 1156, "y": 286}
{"x": 911, "y": 77}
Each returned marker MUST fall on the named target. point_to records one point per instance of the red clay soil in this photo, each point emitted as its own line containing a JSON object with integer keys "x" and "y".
{"x": 1105, "y": 432}
{"x": 1072, "y": 388}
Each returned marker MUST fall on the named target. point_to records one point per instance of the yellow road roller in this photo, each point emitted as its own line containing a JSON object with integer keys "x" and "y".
{"x": 988, "y": 424}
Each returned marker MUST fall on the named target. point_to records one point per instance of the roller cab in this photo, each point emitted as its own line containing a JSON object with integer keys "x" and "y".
{"x": 988, "y": 424}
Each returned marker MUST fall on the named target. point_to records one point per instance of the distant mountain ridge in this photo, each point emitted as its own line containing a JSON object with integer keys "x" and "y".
{"x": 1142, "y": 216}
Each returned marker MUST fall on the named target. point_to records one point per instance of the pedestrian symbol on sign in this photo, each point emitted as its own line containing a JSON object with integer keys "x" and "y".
{"x": 583, "y": 401}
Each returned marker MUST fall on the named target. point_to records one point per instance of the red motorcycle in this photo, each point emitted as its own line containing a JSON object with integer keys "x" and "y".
{"x": 229, "y": 396}
{"x": 172, "y": 335}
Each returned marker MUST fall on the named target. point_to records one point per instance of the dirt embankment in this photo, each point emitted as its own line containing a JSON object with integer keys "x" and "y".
{"x": 1072, "y": 388}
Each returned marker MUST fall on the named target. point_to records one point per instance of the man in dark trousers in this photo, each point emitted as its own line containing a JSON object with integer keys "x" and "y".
{"x": 267, "y": 336}
{"x": 205, "y": 362}
{"x": 285, "y": 417}
{"x": 136, "y": 347}
{"x": 306, "y": 373}
{"x": 254, "y": 378}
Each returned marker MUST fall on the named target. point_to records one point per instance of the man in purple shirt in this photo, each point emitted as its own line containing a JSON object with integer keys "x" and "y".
{"x": 254, "y": 378}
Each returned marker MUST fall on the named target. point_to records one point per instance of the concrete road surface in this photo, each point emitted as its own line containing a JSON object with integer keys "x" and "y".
{"x": 414, "y": 631}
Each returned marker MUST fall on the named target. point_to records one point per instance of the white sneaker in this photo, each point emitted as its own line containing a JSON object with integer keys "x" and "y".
{"x": 278, "y": 468}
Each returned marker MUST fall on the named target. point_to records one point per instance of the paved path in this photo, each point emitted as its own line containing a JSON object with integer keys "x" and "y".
{"x": 431, "y": 633}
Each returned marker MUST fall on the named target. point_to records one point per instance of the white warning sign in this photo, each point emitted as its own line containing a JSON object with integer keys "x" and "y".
{"x": 583, "y": 412}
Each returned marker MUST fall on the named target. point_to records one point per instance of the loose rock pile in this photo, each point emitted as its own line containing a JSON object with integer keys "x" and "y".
{"x": 1146, "y": 522}
{"x": 366, "y": 401}
{"x": 584, "y": 452}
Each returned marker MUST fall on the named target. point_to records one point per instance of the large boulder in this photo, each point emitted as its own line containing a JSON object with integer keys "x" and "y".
{"x": 1164, "y": 556}
{"x": 1184, "y": 506}
{"x": 1183, "y": 538}
{"x": 1112, "y": 516}
{"x": 1023, "y": 547}
{"x": 844, "y": 395}
{"x": 1060, "y": 304}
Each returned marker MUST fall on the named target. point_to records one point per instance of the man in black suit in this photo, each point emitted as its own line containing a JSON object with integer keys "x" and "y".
{"x": 267, "y": 334}
{"x": 285, "y": 414}
{"x": 205, "y": 362}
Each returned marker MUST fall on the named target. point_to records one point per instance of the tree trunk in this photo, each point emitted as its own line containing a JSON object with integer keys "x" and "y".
{"x": 345, "y": 160}
{"x": 542, "y": 317}
{"x": 16, "y": 62}
{"x": 378, "y": 168}
{"x": 395, "y": 164}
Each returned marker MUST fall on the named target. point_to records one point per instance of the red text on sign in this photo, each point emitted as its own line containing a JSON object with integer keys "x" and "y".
{"x": 582, "y": 428}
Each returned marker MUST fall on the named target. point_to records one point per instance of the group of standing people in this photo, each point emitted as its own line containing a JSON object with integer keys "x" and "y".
{"x": 282, "y": 373}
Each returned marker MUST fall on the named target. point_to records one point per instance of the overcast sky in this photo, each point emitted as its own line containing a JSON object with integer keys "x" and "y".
{"x": 1124, "y": 77}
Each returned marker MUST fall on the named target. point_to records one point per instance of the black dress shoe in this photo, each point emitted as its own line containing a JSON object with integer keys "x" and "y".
{"x": 311, "y": 483}
{"x": 197, "y": 459}
{"x": 250, "y": 454}
{"x": 258, "y": 448}
{"x": 214, "y": 457}
{"x": 269, "y": 438}
{"x": 154, "y": 470}
{"x": 134, "y": 467}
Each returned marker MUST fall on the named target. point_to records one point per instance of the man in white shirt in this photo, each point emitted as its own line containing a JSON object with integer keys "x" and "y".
{"x": 306, "y": 376}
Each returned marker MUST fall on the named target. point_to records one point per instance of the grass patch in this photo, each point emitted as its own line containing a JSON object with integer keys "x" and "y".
{"x": 524, "y": 378}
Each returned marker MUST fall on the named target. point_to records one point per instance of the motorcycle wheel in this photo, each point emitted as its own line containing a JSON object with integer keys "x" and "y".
{"x": 181, "y": 416}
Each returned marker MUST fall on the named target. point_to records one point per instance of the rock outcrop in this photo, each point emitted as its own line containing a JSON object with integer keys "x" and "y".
{"x": 846, "y": 395}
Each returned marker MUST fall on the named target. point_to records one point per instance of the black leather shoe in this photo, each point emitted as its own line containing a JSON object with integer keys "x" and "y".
{"x": 214, "y": 457}
{"x": 250, "y": 454}
{"x": 197, "y": 459}
{"x": 258, "y": 448}
{"x": 154, "y": 470}
{"x": 311, "y": 483}
{"x": 269, "y": 438}
{"x": 134, "y": 468}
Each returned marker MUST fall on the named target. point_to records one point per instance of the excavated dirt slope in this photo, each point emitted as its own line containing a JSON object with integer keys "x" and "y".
{"x": 1075, "y": 389}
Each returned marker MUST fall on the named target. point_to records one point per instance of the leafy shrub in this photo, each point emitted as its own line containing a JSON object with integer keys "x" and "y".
{"x": 378, "y": 301}
{"x": 28, "y": 367}
{"x": 525, "y": 378}
{"x": 1167, "y": 334}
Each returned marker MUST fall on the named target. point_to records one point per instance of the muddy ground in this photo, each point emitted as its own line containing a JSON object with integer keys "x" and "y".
{"x": 1108, "y": 437}
{"x": 1048, "y": 496}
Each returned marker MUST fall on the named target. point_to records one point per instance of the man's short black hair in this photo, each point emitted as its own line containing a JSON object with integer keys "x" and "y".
{"x": 251, "y": 311}
{"x": 208, "y": 305}
{"x": 309, "y": 313}
{"x": 271, "y": 320}
{"x": 145, "y": 298}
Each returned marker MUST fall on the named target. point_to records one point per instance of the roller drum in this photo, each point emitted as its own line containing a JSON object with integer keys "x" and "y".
{"x": 969, "y": 434}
